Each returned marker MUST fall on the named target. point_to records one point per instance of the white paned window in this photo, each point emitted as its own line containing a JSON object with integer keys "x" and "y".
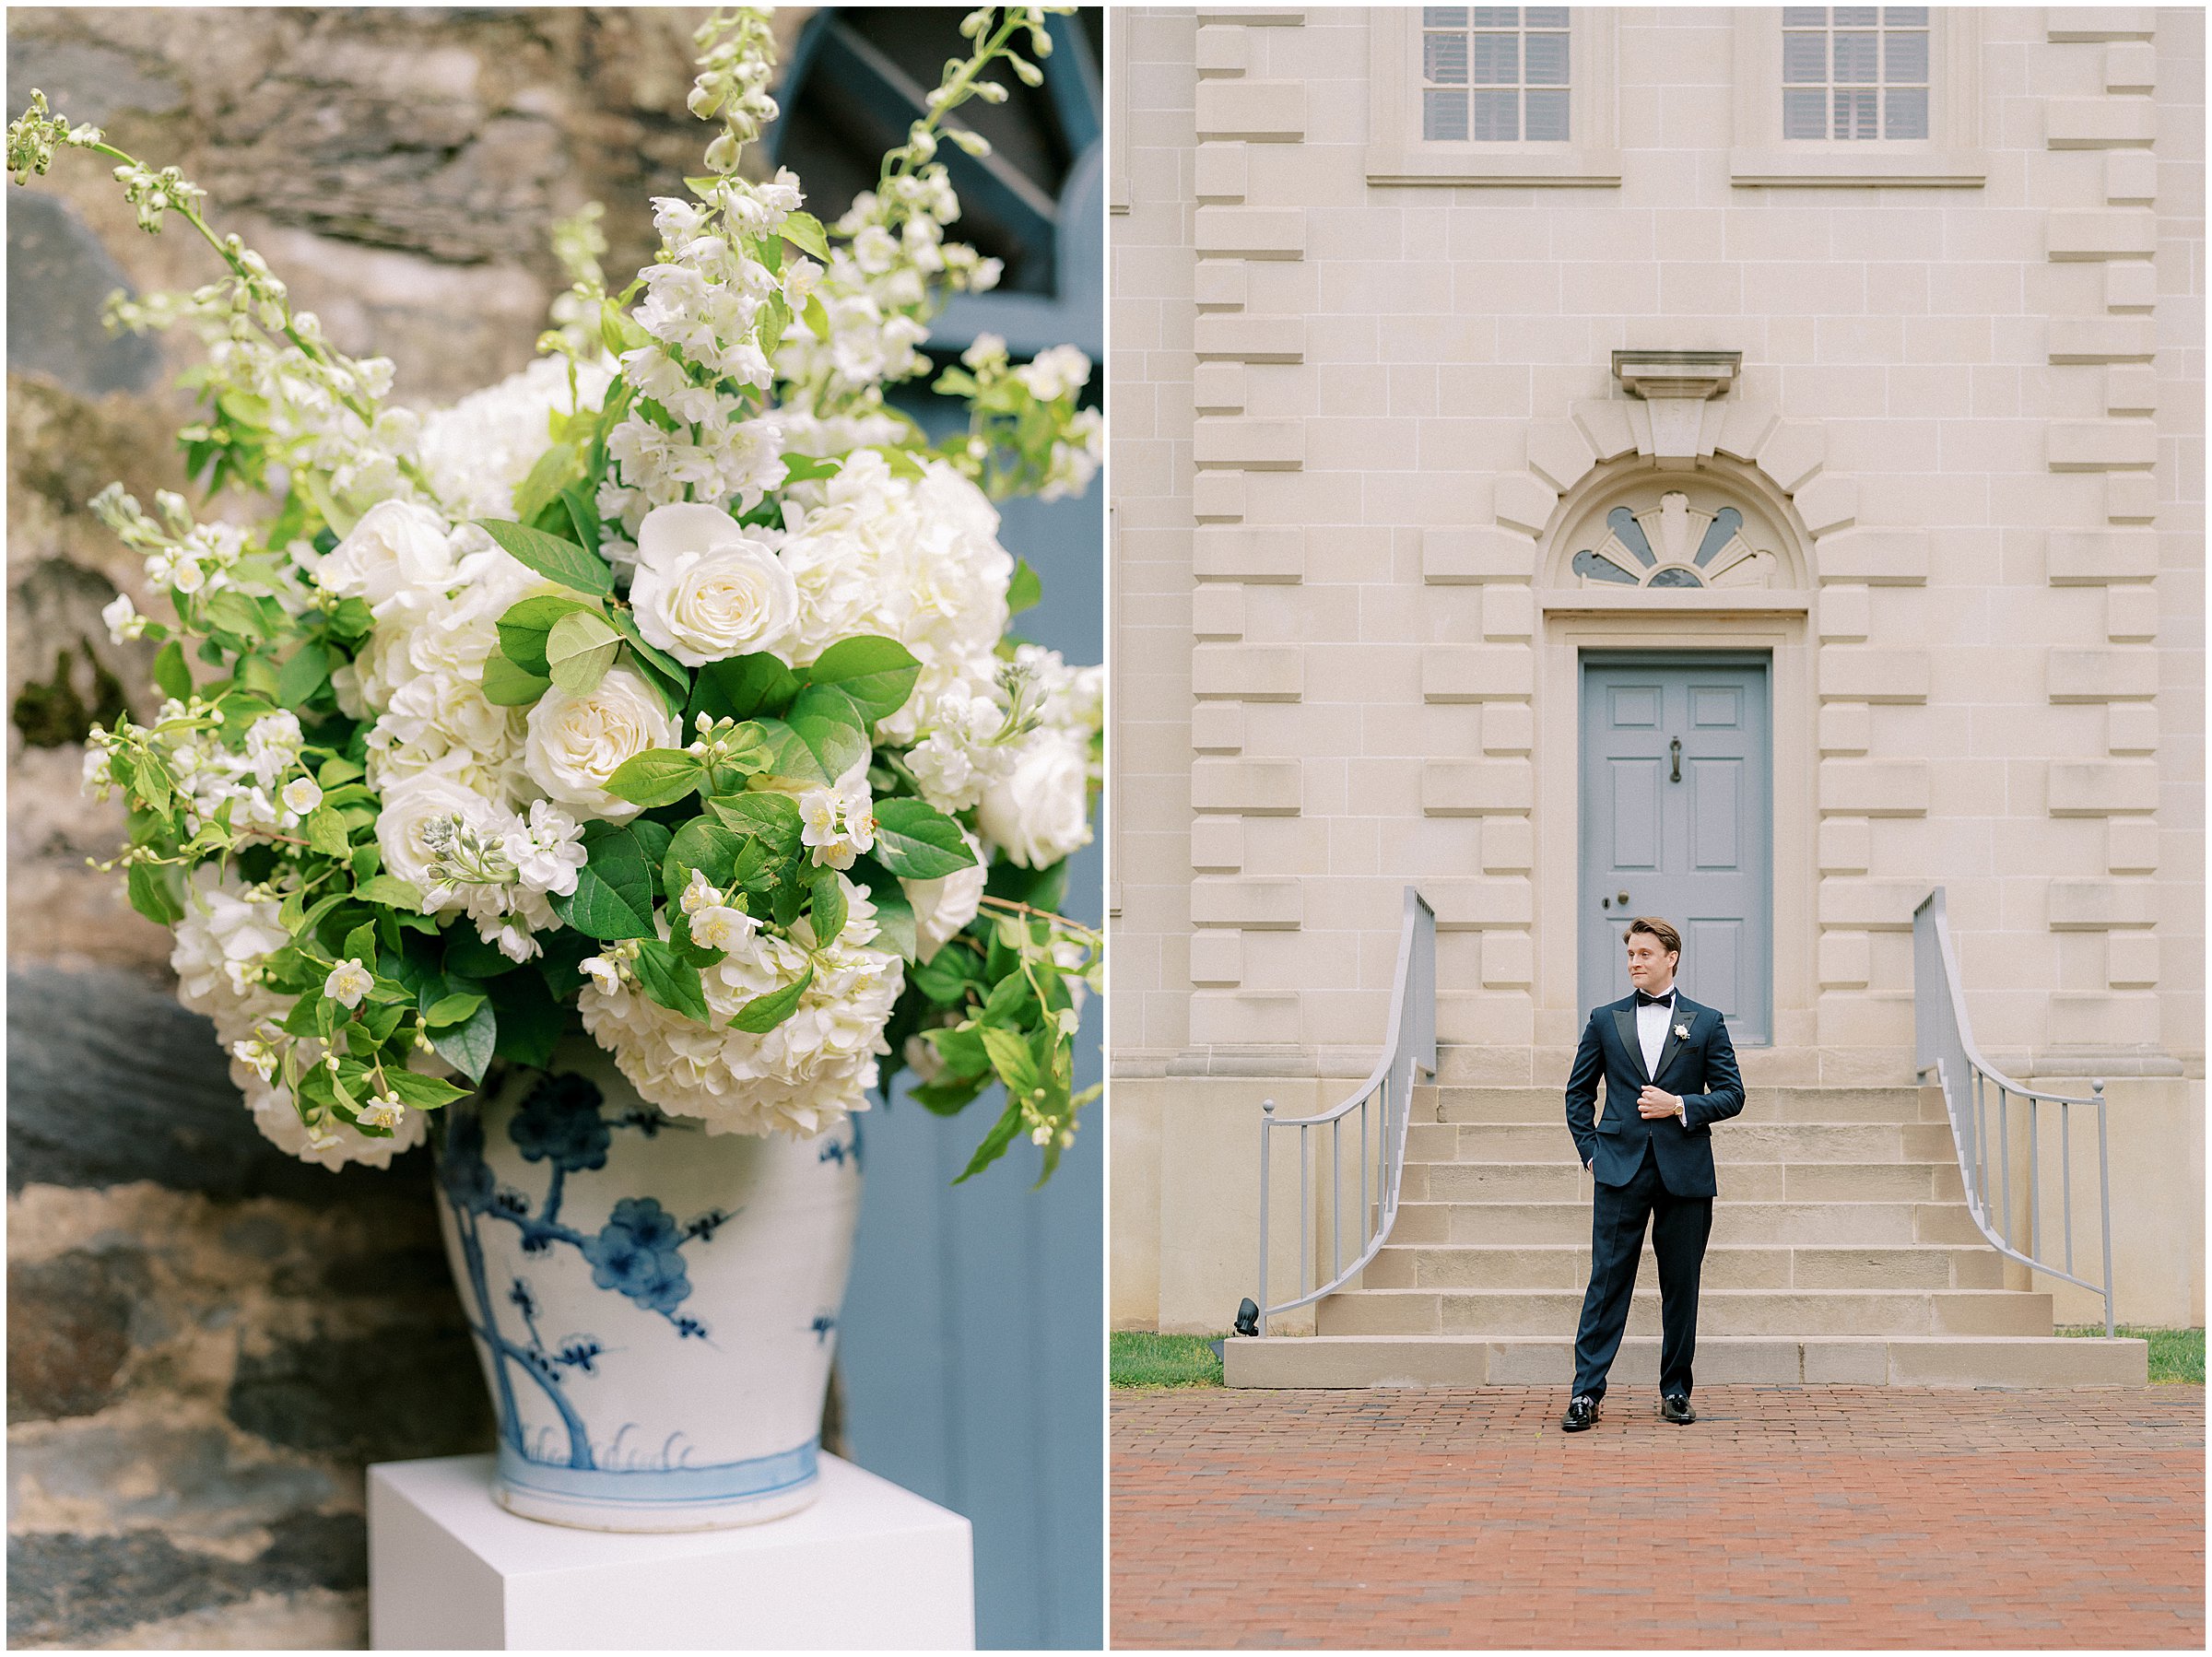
{"x": 1854, "y": 71}
{"x": 1858, "y": 96}
{"x": 1491, "y": 95}
{"x": 1495, "y": 73}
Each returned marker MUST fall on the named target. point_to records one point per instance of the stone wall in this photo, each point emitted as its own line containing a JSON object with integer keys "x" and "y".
{"x": 208, "y": 1340}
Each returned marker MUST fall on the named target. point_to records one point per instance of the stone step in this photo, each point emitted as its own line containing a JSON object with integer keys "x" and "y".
{"x": 1467, "y": 1065}
{"x": 1547, "y": 1105}
{"x": 1524, "y": 1180}
{"x": 1795, "y": 1311}
{"x": 1433, "y": 1360}
{"x": 1836, "y": 1223}
{"x": 1733, "y": 1142}
{"x": 1727, "y": 1266}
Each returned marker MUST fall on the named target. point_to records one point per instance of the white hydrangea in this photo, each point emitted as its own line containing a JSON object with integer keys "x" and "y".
{"x": 802, "y": 1077}
{"x": 227, "y": 929}
{"x": 478, "y": 452}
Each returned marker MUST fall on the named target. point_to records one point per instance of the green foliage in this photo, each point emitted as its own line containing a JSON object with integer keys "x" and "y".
{"x": 553, "y": 557}
{"x": 1140, "y": 1359}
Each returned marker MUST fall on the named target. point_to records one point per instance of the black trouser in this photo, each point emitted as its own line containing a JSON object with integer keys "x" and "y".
{"x": 1679, "y": 1228}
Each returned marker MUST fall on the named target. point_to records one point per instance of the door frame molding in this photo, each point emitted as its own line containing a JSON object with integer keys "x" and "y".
{"x": 1590, "y": 656}
{"x": 1791, "y": 707}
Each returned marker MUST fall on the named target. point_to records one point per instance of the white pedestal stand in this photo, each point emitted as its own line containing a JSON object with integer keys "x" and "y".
{"x": 868, "y": 1567}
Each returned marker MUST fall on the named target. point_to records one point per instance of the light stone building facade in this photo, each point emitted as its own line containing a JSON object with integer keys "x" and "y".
{"x": 1411, "y": 424}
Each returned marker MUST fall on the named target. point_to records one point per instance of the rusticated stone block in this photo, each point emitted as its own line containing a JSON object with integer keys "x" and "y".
{"x": 1242, "y": 554}
{"x": 1261, "y": 445}
{"x": 2102, "y": 339}
{"x": 2116, "y": 233}
{"x": 2099, "y": 123}
{"x": 1474, "y": 672}
{"x": 1881, "y": 557}
{"x": 2098, "y": 905}
{"x": 1255, "y": 904}
{"x": 1882, "y": 788}
{"x": 1254, "y": 787}
{"x": 1250, "y": 233}
{"x": 1478, "y": 554}
{"x": 1263, "y": 109}
{"x": 2086, "y": 788}
{"x": 1256, "y": 673}
{"x": 1474, "y": 787}
{"x": 2101, "y": 676}
{"x": 1251, "y": 338}
{"x": 2101, "y": 445}
{"x": 1873, "y": 675}
{"x": 2091, "y": 557}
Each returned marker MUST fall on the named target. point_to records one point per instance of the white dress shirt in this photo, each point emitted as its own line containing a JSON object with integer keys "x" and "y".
{"x": 1651, "y": 1033}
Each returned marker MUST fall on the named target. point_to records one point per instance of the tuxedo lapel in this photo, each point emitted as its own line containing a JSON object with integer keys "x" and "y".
{"x": 1624, "y": 1020}
{"x": 1685, "y": 1015}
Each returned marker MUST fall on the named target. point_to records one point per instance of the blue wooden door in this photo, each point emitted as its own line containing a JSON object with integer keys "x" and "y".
{"x": 1677, "y": 822}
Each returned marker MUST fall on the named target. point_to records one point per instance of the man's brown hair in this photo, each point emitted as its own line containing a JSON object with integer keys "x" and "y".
{"x": 1669, "y": 939}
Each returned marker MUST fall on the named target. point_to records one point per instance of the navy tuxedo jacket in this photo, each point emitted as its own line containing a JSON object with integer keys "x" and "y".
{"x": 1700, "y": 1068}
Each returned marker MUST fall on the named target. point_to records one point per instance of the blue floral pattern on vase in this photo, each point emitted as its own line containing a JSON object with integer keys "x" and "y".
{"x": 638, "y": 1253}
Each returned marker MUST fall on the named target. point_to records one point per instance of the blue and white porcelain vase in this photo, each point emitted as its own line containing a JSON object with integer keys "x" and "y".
{"x": 654, "y": 1306}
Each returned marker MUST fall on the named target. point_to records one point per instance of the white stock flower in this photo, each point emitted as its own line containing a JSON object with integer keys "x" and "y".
{"x": 839, "y": 823}
{"x": 398, "y": 548}
{"x": 575, "y": 743}
{"x": 348, "y": 982}
{"x": 1055, "y": 374}
{"x": 123, "y": 621}
{"x": 1040, "y": 813}
{"x": 705, "y": 590}
{"x": 549, "y": 851}
{"x": 477, "y": 451}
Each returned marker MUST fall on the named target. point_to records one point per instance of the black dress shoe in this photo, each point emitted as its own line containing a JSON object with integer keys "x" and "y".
{"x": 1675, "y": 1407}
{"x": 1581, "y": 1414}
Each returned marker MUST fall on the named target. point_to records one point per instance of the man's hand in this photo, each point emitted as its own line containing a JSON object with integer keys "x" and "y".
{"x": 1653, "y": 1104}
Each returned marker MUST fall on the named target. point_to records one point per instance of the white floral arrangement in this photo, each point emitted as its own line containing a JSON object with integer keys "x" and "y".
{"x": 662, "y": 691}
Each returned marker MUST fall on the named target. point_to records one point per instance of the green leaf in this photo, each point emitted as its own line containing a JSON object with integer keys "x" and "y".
{"x": 671, "y": 981}
{"x": 451, "y": 1009}
{"x": 809, "y": 468}
{"x": 877, "y": 673}
{"x": 703, "y": 844}
{"x": 580, "y": 650}
{"x": 423, "y": 1092}
{"x": 530, "y": 1019}
{"x": 553, "y": 557}
{"x": 916, "y": 841}
{"x": 151, "y": 776}
{"x": 326, "y": 831}
{"x": 741, "y": 688}
{"x": 523, "y": 627}
{"x": 583, "y": 516}
{"x": 962, "y": 1051}
{"x": 173, "y": 673}
{"x": 392, "y": 892}
{"x": 306, "y": 672}
{"x": 773, "y": 818}
{"x": 613, "y": 898}
{"x": 469, "y": 1045}
{"x": 817, "y": 317}
{"x": 894, "y": 914}
{"x": 994, "y": 1143}
{"x": 1011, "y": 1058}
{"x": 945, "y": 977}
{"x": 763, "y": 1013}
{"x": 656, "y": 777}
{"x": 1026, "y": 591}
{"x": 156, "y": 892}
{"x": 804, "y": 231}
{"x": 821, "y": 738}
{"x": 948, "y": 1096}
{"x": 829, "y": 906}
{"x": 556, "y": 467}
{"x": 507, "y": 686}
{"x": 654, "y": 656}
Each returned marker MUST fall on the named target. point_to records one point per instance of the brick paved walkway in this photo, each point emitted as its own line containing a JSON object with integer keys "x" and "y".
{"x": 1794, "y": 1517}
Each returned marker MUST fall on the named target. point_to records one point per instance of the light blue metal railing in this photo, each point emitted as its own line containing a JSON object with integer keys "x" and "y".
{"x": 1944, "y": 1046}
{"x": 1410, "y": 1045}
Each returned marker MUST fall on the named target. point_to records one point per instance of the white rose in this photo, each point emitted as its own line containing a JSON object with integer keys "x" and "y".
{"x": 706, "y": 591}
{"x": 398, "y": 548}
{"x": 413, "y": 804}
{"x": 1039, "y": 813}
{"x": 944, "y": 905}
{"x": 576, "y": 743}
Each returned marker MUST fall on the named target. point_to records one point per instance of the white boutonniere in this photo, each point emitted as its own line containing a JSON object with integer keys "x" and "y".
{"x": 1682, "y": 1030}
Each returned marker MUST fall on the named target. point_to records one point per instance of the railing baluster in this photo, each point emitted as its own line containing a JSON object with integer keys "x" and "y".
{"x": 1305, "y": 1222}
{"x": 1336, "y": 1196}
{"x": 2005, "y": 1162}
{"x": 2066, "y": 1176}
{"x": 2035, "y": 1182}
{"x": 2104, "y": 1200}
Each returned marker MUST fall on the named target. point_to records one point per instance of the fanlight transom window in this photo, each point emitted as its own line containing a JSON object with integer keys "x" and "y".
{"x": 1673, "y": 544}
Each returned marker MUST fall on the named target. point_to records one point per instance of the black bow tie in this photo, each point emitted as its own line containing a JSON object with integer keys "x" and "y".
{"x": 1666, "y": 999}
